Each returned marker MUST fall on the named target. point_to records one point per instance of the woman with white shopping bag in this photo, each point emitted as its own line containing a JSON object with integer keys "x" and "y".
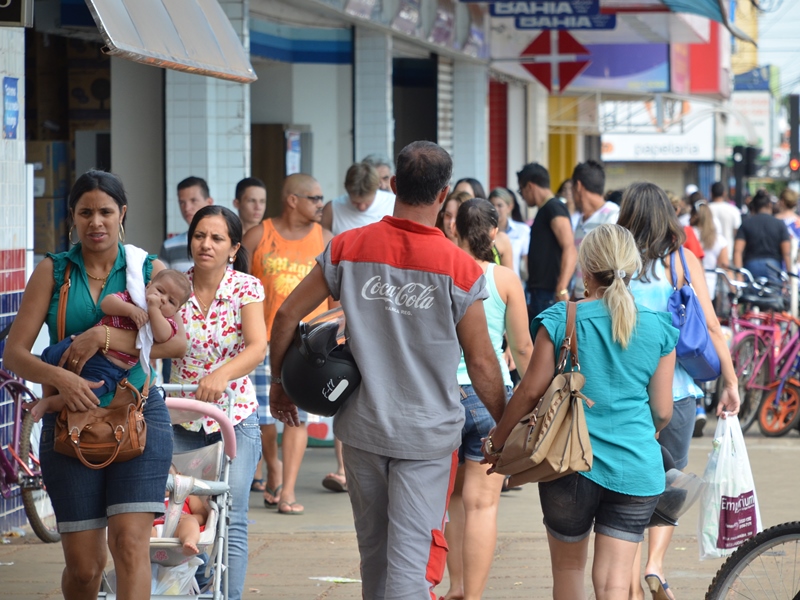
{"x": 647, "y": 212}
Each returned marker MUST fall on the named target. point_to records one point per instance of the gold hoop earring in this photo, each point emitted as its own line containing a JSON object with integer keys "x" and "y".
{"x": 121, "y": 233}
{"x": 585, "y": 288}
{"x": 75, "y": 227}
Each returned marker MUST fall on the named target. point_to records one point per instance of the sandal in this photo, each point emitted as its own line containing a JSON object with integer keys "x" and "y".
{"x": 258, "y": 485}
{"x": 335, "y": 482}
{"x": 291, "y": 508}
{"x": 275, "y": 494}
{"x": 507, "y": 487}
{"x": 657, "y": 587}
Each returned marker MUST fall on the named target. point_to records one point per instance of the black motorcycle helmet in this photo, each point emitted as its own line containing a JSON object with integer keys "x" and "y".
{"x": 318, "y": 372}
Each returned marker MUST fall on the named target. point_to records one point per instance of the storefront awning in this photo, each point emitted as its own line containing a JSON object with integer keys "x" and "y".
{"x": 716, "y": 10}
{"x": 190, "y": 35}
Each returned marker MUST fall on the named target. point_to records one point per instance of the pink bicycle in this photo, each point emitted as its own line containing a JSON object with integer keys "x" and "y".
{"x": 19, "y": 461}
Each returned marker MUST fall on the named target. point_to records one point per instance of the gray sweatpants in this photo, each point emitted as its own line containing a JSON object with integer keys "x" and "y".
{"x": 399, "y": 509}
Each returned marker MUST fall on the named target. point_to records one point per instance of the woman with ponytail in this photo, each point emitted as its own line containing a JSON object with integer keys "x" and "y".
{"x": 647, "y": 213}
{"x": 627, "y": 353}
{"x": 472, "y": 531}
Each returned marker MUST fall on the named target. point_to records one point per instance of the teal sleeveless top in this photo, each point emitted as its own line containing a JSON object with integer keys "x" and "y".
{"x": 654, "y": 294}
{"x": 496, "y": 319}
{"x": 82, "y": 311}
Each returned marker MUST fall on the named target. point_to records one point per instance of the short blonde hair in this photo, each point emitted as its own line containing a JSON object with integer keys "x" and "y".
{"x": 789, "y": 198}
{"x": 609, "y": 254}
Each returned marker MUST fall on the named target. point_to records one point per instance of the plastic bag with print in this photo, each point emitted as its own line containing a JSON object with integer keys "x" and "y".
{"x": 729, "y": 513}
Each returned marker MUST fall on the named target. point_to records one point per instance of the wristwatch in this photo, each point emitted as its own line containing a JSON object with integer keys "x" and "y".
{"x": 563, "y": 292}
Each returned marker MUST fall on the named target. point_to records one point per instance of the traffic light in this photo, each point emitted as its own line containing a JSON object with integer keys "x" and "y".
{"x": 751, "y": 154}
{"x": 794, "y": 165}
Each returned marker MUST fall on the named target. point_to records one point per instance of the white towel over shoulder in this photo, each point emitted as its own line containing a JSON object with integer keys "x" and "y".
{"x": 134, "y": 282}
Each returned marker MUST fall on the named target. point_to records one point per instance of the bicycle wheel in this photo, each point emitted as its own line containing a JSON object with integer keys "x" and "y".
{"x": 35, "y": 499}
{"x": 752, "y": 380}
{"x": 764, "y": 567}
{"x": 777, "y": 417}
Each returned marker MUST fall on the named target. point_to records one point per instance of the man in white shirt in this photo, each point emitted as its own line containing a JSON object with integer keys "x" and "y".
{"x": 363, "y": 204}
{"x": 725, "y": 214}
{"x": 588, "y": 185}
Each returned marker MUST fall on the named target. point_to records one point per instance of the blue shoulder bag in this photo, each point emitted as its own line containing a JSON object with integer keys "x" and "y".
{"x": 695, "y": 350}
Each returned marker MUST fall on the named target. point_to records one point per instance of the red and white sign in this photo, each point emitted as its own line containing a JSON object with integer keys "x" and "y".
{"x": 554, "y": 60}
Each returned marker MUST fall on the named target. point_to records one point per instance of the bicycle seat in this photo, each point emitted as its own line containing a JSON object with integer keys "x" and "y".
{"x": 763, "y": 302}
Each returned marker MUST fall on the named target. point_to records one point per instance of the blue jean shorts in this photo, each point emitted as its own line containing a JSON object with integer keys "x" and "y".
{"x": 477, "y": 424}
{"x": 261, "y": 378}
{"x": 571, "y": 504}
{"x": 84, "y": 498}
{"x": 677, "y": 435}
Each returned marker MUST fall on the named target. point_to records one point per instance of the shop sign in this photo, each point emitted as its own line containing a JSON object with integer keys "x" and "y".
{"x": 293, "y": 152}
{"x": 16, "y": 13}
{"x": 585, "y": 22}
{"x": 361, "y": 8}
{"x": 553, "y": 9}
{"x": 633, "y": 133}
{"x": 756, "y": 107}
{"x": 552, "y": 58}
{"x": 10, "y": 107}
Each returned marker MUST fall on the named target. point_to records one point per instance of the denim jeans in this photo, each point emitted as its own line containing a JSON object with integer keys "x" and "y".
{"x": 758, "y": 268}
{"x": 538, "y": 301}
{"x": 248, "y": 451}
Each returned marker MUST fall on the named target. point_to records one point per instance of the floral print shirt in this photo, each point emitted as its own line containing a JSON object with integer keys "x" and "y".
{"x": 215, "y": 339}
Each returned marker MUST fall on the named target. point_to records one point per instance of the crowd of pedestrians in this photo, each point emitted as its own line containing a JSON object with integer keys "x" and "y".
{"x": 456, "y": 306}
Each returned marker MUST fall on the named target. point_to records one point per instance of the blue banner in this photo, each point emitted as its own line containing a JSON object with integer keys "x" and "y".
{"x": 553, "y": 9}
{"x": 566, "y": 22}
{"x": 10, "y": 107}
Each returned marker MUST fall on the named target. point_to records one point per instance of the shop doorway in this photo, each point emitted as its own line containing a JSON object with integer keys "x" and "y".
{"x": 414, "y": 95}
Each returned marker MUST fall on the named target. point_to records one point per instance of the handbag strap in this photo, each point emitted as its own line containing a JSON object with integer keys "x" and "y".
{"x": 569, "y": 346}
{"x": 61, "y": 318}
{"x": 672, "y": 269}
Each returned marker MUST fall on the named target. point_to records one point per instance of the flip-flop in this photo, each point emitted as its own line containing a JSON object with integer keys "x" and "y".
{"x": 507, "y": 488}
{"x": 657, "y": 587}
{"x": 275, "y": 495}
{"x": 335, "y": 482}
{"x": 291, "y": 506}
{"x": 257, "y": 485}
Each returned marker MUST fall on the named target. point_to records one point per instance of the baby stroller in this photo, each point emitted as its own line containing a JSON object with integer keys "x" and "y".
{"x": 202, "y": 472}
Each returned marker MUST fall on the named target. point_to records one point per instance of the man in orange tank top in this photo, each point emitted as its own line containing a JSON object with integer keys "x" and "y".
{"x": 283, "y": 251}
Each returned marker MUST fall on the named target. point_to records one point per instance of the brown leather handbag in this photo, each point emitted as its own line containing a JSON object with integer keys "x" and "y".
{"x": 552, "y": 440}
{"x": 100, "y": 436}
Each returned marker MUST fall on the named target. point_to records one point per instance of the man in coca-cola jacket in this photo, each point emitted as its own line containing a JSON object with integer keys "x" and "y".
{"x": 412, "y": 299}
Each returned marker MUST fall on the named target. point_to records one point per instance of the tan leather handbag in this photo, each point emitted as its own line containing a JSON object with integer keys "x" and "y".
{"x": 100, "y": 436}
{"x": 553, "y": 440}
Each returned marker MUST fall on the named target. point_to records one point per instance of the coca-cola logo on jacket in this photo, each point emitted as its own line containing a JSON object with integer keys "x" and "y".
{"x": 409, "y": 295}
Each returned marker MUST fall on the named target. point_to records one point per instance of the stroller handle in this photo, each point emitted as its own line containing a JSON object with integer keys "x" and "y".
{"x": 206, "y": 409}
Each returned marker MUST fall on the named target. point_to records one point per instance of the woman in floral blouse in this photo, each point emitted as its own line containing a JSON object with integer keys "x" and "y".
{"x": 224, "y": 321}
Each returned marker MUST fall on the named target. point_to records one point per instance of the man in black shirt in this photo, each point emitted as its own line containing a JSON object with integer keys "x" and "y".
{"x": 551, "y": 256}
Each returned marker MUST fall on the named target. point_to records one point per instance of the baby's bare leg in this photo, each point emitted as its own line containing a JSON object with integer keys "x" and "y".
{"x": 48, "y": 404}
{"x": 188, "y": 533}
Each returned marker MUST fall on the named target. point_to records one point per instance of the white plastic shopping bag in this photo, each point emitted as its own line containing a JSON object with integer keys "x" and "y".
{"x": 729, "y": 513}
{"x": 175, "y": 581}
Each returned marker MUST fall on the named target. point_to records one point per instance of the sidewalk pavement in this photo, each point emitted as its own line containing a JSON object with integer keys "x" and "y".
{"x": 286, "y": 551}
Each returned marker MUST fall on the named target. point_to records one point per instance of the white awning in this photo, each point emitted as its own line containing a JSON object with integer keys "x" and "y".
{"x": 186, "y": 35}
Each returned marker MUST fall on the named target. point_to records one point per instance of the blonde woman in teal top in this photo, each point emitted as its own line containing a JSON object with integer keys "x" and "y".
{"x": 627, "y": 353}
{"x": 122, "y": 497}
{"x": 472, "y": 530}
{"x": 648, "y": 214}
